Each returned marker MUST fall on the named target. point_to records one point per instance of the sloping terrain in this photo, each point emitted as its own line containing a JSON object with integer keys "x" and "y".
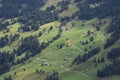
{"x": 57, "y": 41}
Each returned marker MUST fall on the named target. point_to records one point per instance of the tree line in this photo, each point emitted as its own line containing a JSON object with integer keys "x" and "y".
{"x": 33, "y": 20}
{"x": 114, "y": 67}
{"x": 6, "y": 59}
{"x": 111, "y": 69}
{"x": 106, "y": 8}
{"x": 19, "y": 7}
{"x": 79, "y": 59}
{"x": 53, "y": 76}
{"x": 7, "y": 40}
{"x": 114, "y": 28}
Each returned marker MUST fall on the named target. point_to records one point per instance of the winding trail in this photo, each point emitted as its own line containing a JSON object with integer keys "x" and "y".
{"x": 67, "y": 69}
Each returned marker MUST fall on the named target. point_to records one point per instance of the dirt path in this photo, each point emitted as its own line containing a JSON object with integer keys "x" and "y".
{"x": 66, "y": 69}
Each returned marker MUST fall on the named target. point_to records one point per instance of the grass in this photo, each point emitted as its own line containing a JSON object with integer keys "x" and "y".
{"x": 72, "y": 8}
{"x": 50, "y": 3}
{"x": 14, "y": 29}
{"x": 52, "y": 54}
{"x": 74, "y": 76}
{"x": 55, "y": 56}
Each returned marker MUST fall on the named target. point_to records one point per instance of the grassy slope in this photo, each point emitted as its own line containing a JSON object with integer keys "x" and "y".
{"x": 72, "y": 8}
{"x": 50, "y": 3}
{"x": 56, "y": 56}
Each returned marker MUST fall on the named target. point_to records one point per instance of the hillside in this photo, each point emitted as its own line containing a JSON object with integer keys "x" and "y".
{"x": 59, "y": 40}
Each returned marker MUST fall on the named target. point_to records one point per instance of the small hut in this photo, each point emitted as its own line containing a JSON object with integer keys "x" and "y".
{"x": 45, "y": 64}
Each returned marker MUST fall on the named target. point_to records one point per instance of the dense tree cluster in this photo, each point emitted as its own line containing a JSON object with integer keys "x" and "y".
{"x": 32, "y": 45}
{"x": 114, "y": 68}
{"x": 14, "y": 8}
{"x": 99, "y": 60}
{"x": 53, "y": 76}
{"x": 3, "y": 25}
{"x": 8, "y": 78}
{"x": 90, "y": 54}
{"x": 7, "y": 40}
{"x": 114, "y": 54}
{"x": 33, "y": 20}
{"x": 6, "y": 58}
{"x": 40, "y": 71}
{"x": 103, "y": 9}
{"x": 50, "y": 8}
{"x": 94, "y": 1}
{"x": 111, "y": 69}
{"x": 64, "y": 5}
{"x": 77, "y": 60}
{"x": 65, "y": 19}
{"x": 29, "y": 27}
{"x": 86, "y": 56}
{"x": 77, "y": 1}
{"x": 115, "y": 30}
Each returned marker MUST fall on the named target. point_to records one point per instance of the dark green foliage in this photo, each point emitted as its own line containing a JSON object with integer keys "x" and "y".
{"x": 53, "y": 76}
{"x": 88, "y": 32}
{"x": 109, "y": 43}
{"x": 93, "y": 1}
{"x": 64, "y": 5}
{"x": 94, "y": 60}
{"x": 86, "y": 56}
{"x": 102, "y": 59}
{"x": 29, "y": 27}
{"x": 4, "y": 41}
{"x": 56, "y": 37}
{"x": 77, "y": 60}
{"x": 51, "y": 27}
{"x": 99, "y": 60}
{"x": 40, "y": 71}
{"x": 40, "y": 34}
{"x": 14, "y": 73}
{"x": 85, "y": 13}
{"x": 24, "y": 69}
{"x": 3, "y": 25}
{"x": 14, "y": 8}
{"x": 114, "y": 54}
{"x": 77, "y": 0}
{"x": 108, "y": 8}
{"x": 65, "y": 19}
{"x": 29, "y": 44}
{"x": 44, "y": 45}
{"x": 91, "y": 39}
{"x": 37, "y": 71}
{"x": 9, "y": 78}
{"x": 90, "y": 54}
{"x": 41, "y": 16}
{"x": 7, "y": 40}
{"x": 60, "y": 46}
{"x": 34, "y": 19}
{"x": 50, "y": 8}
{"x": 115, "y": 30}
{"x": 111, "y": 69}
{"x": 5, "y": 60}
